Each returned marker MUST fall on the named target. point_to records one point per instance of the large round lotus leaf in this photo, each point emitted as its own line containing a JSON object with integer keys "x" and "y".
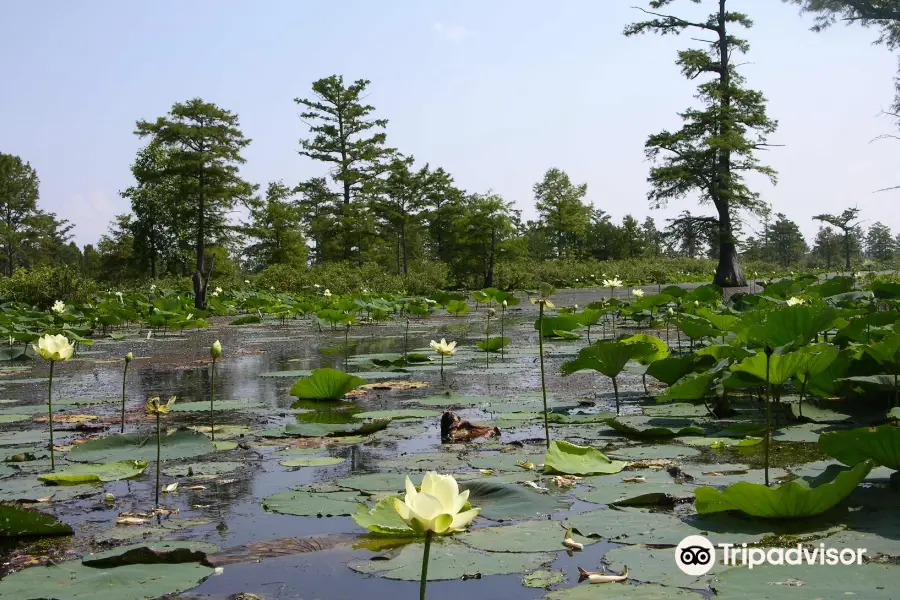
{"x": 375, "y": 482}
{"x": 450, "y": 560}
{"x": 531, "y": 536}
{"x": 543, "y": 579}
{"x": 29, "y": 436}
{"x": 223, "y": 446}
{"x": 30, "y": 489}
{"x": 622, "y": 591}
{"x": 83, "y": 401}
{"x": 13, "y": 418}
{"x": 656, "y": 565}
{"x": 304, "y": 503}
{"x": 658, "y": 489}
{"x": 201, "y": 469}
{"x": 75, "y": 474}
{"x": 32, "y": 380}
{"x": 170, "y": 551}
{"x": 676, "y": 409}
{"x": 203, "y": 406}
{"x": 717, "y": 443}
{"x": 16, "y": 521}
{"x": 655, "y": 451}
{"x": 877, "y": 531}
{"x": 805, "y": 432}
{"x": 451, "y": 399}
{"x": 570, "y": 459}
{"x": 510, "y": 501}
{"x": 142, "y": 446}
{"x": 224, "y": 432}
{"x": 312, "y": 461}
{"x": 293, "y": 374}
{"x": 399, "y": 413}
{"x": 74, "y": 581}
{"x": 505, "y": 461}
{"x": 299, "y": 451}
{"x": 720, "y": 475}
{"x": 425, "y": 461}
{"x": 31, "y": 409}
{"x": 773, "y": 582}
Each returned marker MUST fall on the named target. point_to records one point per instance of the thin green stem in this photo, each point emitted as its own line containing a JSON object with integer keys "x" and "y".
{"x": 50, "y": 414}
{"x": 406, "y": 340}
{"x": 347, "y": 348}
{"x": 616, "y": 392}
{"x": 487, "y": 339}
{"x": 212, "y": 395}
{"x": 423, "y": 583}
{"x": 124, "y": 374}
{"x": 768, "y": 417}
{"x": 158, "y": 455}
{"x": 442, "y": 366}
{"x": 543, "y": 383}
{"x": 502, "y": 317}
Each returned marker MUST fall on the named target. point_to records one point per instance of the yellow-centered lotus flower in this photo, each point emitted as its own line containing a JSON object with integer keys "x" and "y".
{"x": 59, "y": 307}
{"x": 444, "y": 348}
{"x": 544, "y": 301}
{"x": 639, "y": 293}
{"x": 794, "y": 301}
{"x": 54, "y": 347}
{"x": 437, "y": 507}
{"x": 155, "y": 406}
{"x": 615, "y": 282}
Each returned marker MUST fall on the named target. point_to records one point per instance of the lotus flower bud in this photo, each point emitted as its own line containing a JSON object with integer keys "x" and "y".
{"x": 129, "y": 357}
{"x": 216, "y": 349}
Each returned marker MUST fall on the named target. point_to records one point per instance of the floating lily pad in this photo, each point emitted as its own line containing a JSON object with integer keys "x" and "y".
{"x": 31, "y": 489}
{"x": 543, "y": 579}
{"x": 506, "y": 461}
{"x": 773, "y": 582}
{"x": 305, "y": 503}
{"x": 655, "y": 565}
{"x": 312, "y": 461}
{"x": 76, "y": 474}
{"x": 569, "y": 459}
{"x": 655, "y": 428}
{"x": 450, "y": 560}
{"x": 531, "y": 536}
{"x": 292, "y": 374}
{"x": 202, "y": 469}
{"x": 167, "y": 552}
{"x": 622, "y": 591}
{"x": 424, "y": 461}
{"x": 450, "y": 399}
{"x": 138, "y": 446}
{"x": 374, "y": 482}
{"x": 74, "y": 581}
{"x": 224, "y": 431}
{"x": 203, "y": 406}
{"x": 400, "y": 413}
{"x": 13, "y": 418}
{"x": 224, "y": 446}
{"x": 16, "y": 521}
{"x": 328, "y": 429}
{"x": 502, "y": 501}
{"x": 83, "y": 401}
{"x": 655, "y": 451}
{"x": 676, "y": 409}
{"x": 658, "y": 488}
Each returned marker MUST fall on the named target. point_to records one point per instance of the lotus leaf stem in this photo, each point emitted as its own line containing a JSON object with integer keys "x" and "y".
{"x": 50, "y": 414}
{"x": 423, "y": 583}
{"x": 543, "y": 382}
{"x": 124, "y": 374}
{"x": 158, "y": 455}
{"x": 212, "y": 395}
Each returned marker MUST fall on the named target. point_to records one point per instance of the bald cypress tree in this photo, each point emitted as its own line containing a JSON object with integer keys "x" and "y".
{"x": 717, "y": 143}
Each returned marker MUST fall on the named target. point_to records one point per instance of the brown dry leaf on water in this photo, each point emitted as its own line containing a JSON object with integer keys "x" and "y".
{"x": 565, "y": 480}
{"x": 67, "y": 418}
{"x": 142, "y": 518}
{"x": 636, "y": 479}
{"x": 651, "y": 463}
{"x": 394, "y": 385}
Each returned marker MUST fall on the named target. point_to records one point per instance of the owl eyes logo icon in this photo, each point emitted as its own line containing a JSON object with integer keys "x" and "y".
{"x": 695, "y": 555}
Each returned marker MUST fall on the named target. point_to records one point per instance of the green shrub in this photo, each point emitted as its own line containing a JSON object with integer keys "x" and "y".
{"x": 42, "y": 286}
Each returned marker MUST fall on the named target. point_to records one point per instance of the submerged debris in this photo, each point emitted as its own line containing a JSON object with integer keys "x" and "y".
{"x": 454, "y": 429}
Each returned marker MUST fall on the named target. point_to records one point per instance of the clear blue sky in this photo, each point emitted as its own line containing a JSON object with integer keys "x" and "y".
{"x": 495, "y": 92}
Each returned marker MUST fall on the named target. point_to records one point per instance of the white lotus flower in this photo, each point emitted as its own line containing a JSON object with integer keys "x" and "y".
{"x": 152, "y": 287}
{"x": 59, "y": 307}
{"x": 438, "y": 507}
{"x": 247, "y": 281}
{"x": 638, "y": 293}
{"x": 215, "y": 294}
{"x": 794, "y": 301}
{"x": 219, "y": 290}
{"x": 316, "y": 285}
{"x": 444, "y": 348}
{"x": 615, "y": 282}
{"x": 54, "y": 347}
{"x": 327, "y": 293}
{"x": 671, "y": 312}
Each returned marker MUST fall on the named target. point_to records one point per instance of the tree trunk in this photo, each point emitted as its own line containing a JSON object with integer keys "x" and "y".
{"x": 405, "y": 252}
{"x": 729, "y": 272}
{"x": 489, "y": 272}
{"x": 199, "y": 284}
{"x": 847, "y": 250}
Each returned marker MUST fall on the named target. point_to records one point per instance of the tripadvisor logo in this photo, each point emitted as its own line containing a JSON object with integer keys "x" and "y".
{"x": 695, "y": 555}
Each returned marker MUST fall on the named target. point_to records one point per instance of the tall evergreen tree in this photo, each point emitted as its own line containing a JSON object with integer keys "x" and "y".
{"x": 786, "y": 244}
{"x": 688, "y": 235}
{"x": 204, "y": 143}
{"x": 444, "y": 205}
{"x": 274, "y": 230}
{"x": 847, "y": 222}
{"x": 716, "y": 146}
{"x": 19, "y": 191}
{"x": 345, "y": 136}
{"x": 489, "y": 223}
{"x": 880, "y": 242}
{"x": 564, "y": 215}
{"x": 827, "y": 245}
{"x": 320, "y": 215}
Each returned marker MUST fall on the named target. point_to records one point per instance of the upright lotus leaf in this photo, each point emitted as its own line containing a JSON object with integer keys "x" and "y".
{"x": 569, "y": 459}
{"x": 695, "y": 327}
{"x": 721, "y": 351}
{"x": 552, "y": 325}
{"x": 457, "y": 307}
{"x": 792, "y": 325}
{"x": 608, "y": 357}
{"x": 721, "y": 321}
{"x": 674, "y": 291}
{"x": 792, "y": 499}
{"x": 886, "y": 352}
{"x": 16, "y": 521}
{"x": 854, "y": 446}
{"x": 709, "y": 292}
{"x": 782, "y": 367}
{"x": 692, "y": 387}
{"x": 76, "y": 474}
{"x": 660, "y": 352}
{"x": 493, "y": 344}
{"x": 669, "y": 370}
{"x": 829, "y": 383}
{"x": 325, "y": 384}
{"x": 832, "y": 287}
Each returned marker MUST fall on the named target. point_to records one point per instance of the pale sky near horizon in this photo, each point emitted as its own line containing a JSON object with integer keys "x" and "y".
{"x": 495, "y": 92}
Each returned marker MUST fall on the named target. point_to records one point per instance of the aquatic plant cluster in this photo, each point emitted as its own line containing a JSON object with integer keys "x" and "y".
{"x": 767, "y": 419}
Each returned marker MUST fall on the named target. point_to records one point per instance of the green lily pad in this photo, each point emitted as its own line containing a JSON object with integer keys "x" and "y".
{"x": 450, "y": 560}
{"x": 13, "y": 418}
{"x": 451, "y": 399}
{"x": 76, "y": 474}
{"x": 224, "y": 446}
{"x": 328, "y": 429}
{"x": 305, "y": 503}
{"x": 543, "y": 579}
{"x": 658, "y": 489}
{"x": 203, "y": 406}
{"x": 425, "y": 461}
{"x": 723, "y": 442}
{"x": 28, "y": 436}
{"x": 312, "y": 461}
{"x": 202, "y": 469}
{"x": 531, "y": 536}
{"x": 773, "y": 582}
{"x": 139, "y": 446}
{"x": 655, "y": 451}
{"x": 569, "y": 459}
{"x": 83, "y": 401}
{"x": 789, "y": 500}
{"x": 622, "y": 591}
{"x": 291, "y": 374}
{"x": 400, "y": 413}
{"x": 16, "y": 521}
{"x": 374, "y": 482}
{"x": 31, "y": 489}
{"x": 74, "y": 581}
{"x": 642, "y": 427}
{"x": 654, "y": 565}
{"x": 502, "y": 501}
{"x": 721, "y": 475}
{"x": 676, "y": 409}
{"x": 505, "y": 461}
